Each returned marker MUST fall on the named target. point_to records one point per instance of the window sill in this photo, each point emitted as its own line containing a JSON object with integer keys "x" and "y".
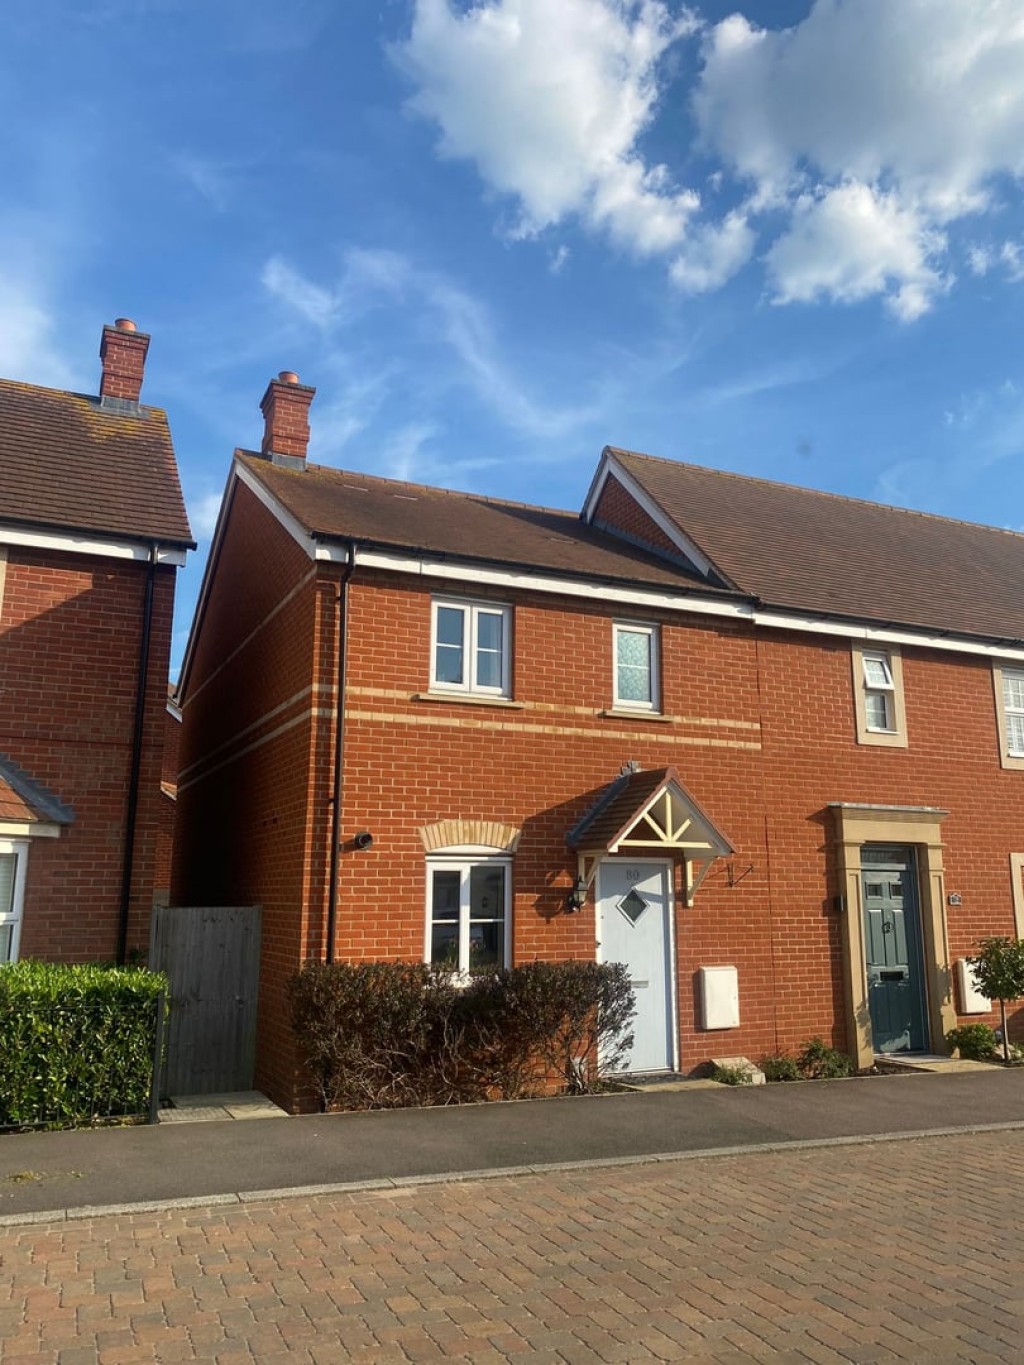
{"x": 469, "y": 699}
{"x": 619, "y": 713}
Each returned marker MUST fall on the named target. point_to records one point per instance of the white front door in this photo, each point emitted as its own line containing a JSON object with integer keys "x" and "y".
{"x": 634, "y": 908}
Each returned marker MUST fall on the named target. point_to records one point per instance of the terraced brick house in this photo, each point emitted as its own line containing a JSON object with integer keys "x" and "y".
{"x": 765, "y": 745}
{"x": 92, "y": 530}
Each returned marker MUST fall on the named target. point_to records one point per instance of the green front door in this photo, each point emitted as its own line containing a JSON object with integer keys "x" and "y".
{"x": 892, "y": 943}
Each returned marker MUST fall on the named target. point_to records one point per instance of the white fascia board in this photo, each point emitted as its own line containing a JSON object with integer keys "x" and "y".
{"x": 610, "y": 465}
{"x": 28, "y": 829}
{"x": 687, "y": 604}
{"x": 67, "y": 542}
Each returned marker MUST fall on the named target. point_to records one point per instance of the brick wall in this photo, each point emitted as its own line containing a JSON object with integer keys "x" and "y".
{"x": 68, "y": 667}
{"x": 254, "y": 771}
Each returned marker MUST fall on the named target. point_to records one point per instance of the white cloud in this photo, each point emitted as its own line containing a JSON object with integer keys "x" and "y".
{"x": 558, "y": 259}
{"x": 315, "y": 304}
{"x": 852, "y": 242}
{"x": 851, "y": 141}
{"x": 713, "y": 254}
{"x": 549, "y": 102}
{"x": 1011, "y": 257}
{"x": 887, "y": 119}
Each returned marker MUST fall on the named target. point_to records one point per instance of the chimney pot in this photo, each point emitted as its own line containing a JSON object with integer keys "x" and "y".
{"x": 285, "y": 408}
{"x": 123, "y": 356}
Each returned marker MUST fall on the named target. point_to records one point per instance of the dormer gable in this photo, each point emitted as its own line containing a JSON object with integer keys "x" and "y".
{"x": 617, "y": 504}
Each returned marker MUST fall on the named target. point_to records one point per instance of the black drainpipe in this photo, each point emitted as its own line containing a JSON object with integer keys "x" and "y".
{"x": 339, "y": 725}
{"x": 128, "y": 861}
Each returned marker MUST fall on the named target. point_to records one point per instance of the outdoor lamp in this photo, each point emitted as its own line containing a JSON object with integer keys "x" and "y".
{"x": 576, "y": 896}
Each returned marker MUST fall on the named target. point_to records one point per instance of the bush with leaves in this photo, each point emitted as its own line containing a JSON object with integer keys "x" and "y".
{"x": 820, "y": 1062}
{"x": 388, "y": 1034}
{"x": 977, "y": 1042}
{"x": 999, "y": 973}
{"x": 779, "y": 1066}
{"x": 76, "y": 1043}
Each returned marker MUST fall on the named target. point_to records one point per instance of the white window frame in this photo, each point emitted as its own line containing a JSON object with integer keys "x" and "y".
{"x": 886, "y": 690}
{"x": 1008, "y": 756}
{"x": 12, "y": 914}
{"x": 653, "y": 633}
{"x": 463, "y": 863}
{"x": 471, "y": 613}
{"x": 894, "y": 735}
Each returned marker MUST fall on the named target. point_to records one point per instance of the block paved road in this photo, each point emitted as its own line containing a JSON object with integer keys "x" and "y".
{"x": 907, "y": 1250}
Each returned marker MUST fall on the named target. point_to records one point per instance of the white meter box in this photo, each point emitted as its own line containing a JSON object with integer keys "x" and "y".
{"x": 719, "y": 990}
{"x": 971, "y": 999}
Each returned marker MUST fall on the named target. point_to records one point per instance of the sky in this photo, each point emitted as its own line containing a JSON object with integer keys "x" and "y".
{"x": 781, "y": 237}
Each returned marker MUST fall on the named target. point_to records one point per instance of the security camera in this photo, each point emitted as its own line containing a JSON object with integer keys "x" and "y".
{"x": 364, "y": 839}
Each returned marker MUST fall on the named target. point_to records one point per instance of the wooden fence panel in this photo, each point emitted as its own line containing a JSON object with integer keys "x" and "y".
{"x": 212, "y": 957}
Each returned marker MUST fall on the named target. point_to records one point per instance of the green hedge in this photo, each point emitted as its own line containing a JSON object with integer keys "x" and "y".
{"x": 380, "y": 1035}
{"x": 76, "y": 1043}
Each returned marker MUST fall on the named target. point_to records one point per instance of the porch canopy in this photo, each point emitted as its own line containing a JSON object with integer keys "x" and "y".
{"x": 649, "y": 813}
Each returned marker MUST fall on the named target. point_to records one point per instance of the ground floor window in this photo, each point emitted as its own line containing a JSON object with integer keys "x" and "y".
{"x": 12, "y": 891}
{"x": 468, "y": 917}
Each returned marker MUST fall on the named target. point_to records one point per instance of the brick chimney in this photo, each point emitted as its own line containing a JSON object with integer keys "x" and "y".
{"x": 285, "y": 408}
{"x": 123, "y": 355}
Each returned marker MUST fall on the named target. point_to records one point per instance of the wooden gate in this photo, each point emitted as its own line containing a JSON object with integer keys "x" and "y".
{"x": 212, "y": 957}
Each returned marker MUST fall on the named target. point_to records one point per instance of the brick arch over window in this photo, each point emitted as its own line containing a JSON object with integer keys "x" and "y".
{"x": 469, "y": 833}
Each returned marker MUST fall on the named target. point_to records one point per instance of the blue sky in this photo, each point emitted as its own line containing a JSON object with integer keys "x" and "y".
{"x": 782, "y": 238}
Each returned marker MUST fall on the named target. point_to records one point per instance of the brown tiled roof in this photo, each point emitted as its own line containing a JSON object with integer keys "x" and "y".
{"x": 339, "y": 505}
{"x": 68, "y": 463}
{"x": 620, "y": 804}
{"x": 820, "y": 553}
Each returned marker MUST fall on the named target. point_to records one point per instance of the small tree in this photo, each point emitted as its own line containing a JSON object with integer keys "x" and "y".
{"x": 999, "y": 972}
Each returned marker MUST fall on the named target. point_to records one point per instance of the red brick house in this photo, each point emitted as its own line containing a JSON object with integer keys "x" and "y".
{"x": 92, "y": 529}
{"x": 763, "y": 744}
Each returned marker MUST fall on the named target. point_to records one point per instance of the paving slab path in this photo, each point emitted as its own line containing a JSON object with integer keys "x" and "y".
{"x": 910, "y": 1250}
{"x": 50, "y": 1172}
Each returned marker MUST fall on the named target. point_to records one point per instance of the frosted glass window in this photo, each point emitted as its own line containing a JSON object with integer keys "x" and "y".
{"x": 636, "y": 666}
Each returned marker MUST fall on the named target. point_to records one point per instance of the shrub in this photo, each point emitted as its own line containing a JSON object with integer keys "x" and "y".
{"x": 779, "y": 1066}
{"x": 731, "y": 1075}
{"x": 384, "y": 1035}
{"x": 976, "y": 1042}
{"x": 577, "y": 1014}
{"x": 999, "y": 974}
{"x": 820, "y": 1062}
{"x": 77, "y": 1043}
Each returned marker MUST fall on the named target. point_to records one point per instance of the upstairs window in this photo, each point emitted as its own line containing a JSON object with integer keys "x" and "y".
{"x": 879, "y": 692}
{"x": 878, "y": 696}
{"x": 636, "y": 667}
{"x": 1013, "y": 711}
{"x": 470, "y": 651}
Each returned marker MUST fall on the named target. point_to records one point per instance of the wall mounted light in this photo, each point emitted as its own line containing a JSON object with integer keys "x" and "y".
{"x": 576, "y": 896}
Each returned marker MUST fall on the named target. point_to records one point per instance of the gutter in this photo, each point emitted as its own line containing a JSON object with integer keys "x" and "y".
{"x": 128, "y": 861}
{"x": 339, "y": 739}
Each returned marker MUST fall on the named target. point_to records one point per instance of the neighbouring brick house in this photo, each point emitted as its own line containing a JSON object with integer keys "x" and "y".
{"x": 763, "y": 744}
{"x": 92, "y": 528}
